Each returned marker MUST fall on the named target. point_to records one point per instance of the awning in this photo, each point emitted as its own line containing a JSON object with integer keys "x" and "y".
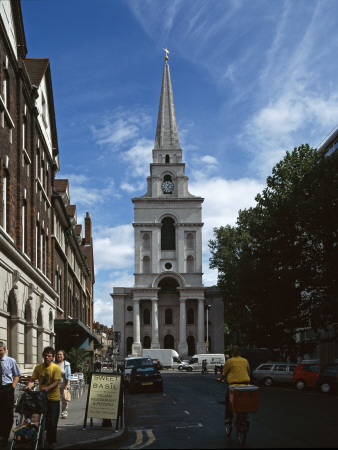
{"x": 75, "y": 331}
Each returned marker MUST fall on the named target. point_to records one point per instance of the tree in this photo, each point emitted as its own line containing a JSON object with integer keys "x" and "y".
{"x": 77, "y": 358}
{"x": 280, "y": 260}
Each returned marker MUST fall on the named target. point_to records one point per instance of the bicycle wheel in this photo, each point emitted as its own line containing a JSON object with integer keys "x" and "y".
{"x": 228, "y": 429}
{"x": 241, "y": 436}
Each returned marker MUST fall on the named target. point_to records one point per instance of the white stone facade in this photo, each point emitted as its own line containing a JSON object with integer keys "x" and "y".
{"x": 166, "y": 307}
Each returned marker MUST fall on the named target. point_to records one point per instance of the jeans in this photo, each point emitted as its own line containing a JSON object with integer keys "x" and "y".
{"x": 53, "y": 412}
{"x": 6, "y": 410}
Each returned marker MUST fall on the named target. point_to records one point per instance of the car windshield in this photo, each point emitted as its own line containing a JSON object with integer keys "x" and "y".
{"x": 137, "y": 362}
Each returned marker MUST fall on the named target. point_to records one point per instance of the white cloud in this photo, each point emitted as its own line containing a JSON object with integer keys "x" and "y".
{"x": 139, "y": 157}
{"x": 113, "y": 247}
{"x": 103, "y": 311}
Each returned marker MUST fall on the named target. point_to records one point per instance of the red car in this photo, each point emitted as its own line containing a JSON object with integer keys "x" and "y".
{"x": 305, "y": 375}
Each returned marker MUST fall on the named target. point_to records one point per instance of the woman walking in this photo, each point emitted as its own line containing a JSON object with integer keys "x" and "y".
{"x": 65, "y": 382}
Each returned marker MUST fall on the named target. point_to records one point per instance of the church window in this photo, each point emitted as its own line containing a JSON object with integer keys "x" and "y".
{"x": 167, "y": 159}
{"x": 129, "y": 308}
{"x": 190, "y": 241}
{"x": 168, "y": 341}
{"x": 190, "y": 264}
{"x": 146, "y": 242}
{"x": 190, "y": 316}
{"x": 168, "y": 316}
{"x": 146, "y": 316}
{"x": 130, "y": 323}
{"x": 146, "y": 264}
{"x": 146, "y": 342}
{"x": 168, "y": 234}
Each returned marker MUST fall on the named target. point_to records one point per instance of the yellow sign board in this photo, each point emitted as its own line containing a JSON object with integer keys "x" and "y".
{"x": 103, "y": 396}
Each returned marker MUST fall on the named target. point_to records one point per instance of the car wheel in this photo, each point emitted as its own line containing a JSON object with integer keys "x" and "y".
{"x": 189, "y": 369}
{"x": 268, "y": 381}
{"x": 300, "y": 384}
{"x": 325, "y": 388}
{"x": 180, "y": 367}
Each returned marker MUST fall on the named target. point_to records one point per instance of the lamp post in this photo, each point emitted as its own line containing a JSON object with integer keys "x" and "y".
{"x": 207, "y": 341}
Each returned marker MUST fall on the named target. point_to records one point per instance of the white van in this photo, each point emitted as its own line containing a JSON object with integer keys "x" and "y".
{"x": 213, "y": 359}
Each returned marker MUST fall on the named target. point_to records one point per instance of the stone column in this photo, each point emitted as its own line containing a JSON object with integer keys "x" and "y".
{"x": 183, "y": 346}
{"x": 200, "y": 330}
{"x": 154, "y": 327}
{"x": 136, "y": 347}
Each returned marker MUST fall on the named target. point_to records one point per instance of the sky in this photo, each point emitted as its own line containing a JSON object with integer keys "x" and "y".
{"x": 251, "y": 79}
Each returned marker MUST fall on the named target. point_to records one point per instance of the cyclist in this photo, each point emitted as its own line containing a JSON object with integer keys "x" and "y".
{"x": 237, "y": 371}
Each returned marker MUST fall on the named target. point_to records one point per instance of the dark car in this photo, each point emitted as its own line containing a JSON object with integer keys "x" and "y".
{"x": 327, "y": 380}
{"x": 157, "y": 364}
{"x": 145, "y": 378}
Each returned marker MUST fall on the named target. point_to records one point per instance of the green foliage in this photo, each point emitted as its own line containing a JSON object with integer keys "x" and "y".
{"x": 77, "y": 358}
{"x": 278, "y": 267}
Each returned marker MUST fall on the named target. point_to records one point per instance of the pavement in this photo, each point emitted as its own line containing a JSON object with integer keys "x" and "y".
{"x": 71, "y": 432}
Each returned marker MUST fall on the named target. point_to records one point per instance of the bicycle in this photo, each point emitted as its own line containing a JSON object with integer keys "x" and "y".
{"x": 243, "y": 399}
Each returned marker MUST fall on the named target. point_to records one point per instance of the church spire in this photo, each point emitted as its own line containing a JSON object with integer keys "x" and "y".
{"x": 166, "y": 131}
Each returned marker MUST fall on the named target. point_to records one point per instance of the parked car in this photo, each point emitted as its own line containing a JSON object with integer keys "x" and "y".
{"x": 157, "y": 364}
{"x": 274, "y": 372}
{"x": 145, "y": 378}
{"x": 327, "y": 380}
{"x": 305, "y": 375}
{"x": 137, "y": 361}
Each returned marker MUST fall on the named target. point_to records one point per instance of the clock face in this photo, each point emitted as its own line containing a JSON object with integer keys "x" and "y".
{"x": 167, "y": 187}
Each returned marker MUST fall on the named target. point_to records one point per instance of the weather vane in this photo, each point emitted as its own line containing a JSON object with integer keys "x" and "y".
{"x": 166, "y": 53}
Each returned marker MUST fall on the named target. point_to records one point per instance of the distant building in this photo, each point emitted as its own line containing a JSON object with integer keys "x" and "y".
{"x": 330, "y": 144}
{"x": 167, "y": 307}
{"x": 46, "y": 267}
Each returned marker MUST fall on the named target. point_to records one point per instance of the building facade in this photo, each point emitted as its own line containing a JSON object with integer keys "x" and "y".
{"x": 168, "y": 307}
{"x": 40, "y": 260}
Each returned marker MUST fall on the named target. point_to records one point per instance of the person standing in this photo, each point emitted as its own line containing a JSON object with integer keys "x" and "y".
{"x": 65, "y": 383}
{"x": 9, "y": 377}
{"x": 49, "y": 376}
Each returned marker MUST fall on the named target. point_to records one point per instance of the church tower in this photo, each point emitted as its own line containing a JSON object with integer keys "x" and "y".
{"x": 168, "y": 294}
{"x": 168, "y": 306}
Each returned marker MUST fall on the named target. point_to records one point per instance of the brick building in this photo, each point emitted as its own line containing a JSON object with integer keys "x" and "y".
{"x": 46, "y": 267}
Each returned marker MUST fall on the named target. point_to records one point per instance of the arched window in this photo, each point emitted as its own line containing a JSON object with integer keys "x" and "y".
{"x": 190, "y": 316}
{"x": 130, "y": 341}
{"x": 146, "y": 264}
{"x": 191, "y": 345}
{"x": 146, "y": 316}
{"x": 146, "y": 242}
{"x": 146, "y": 342}
{"x": 190, "y": 241}
{"x": 168, "y": 316}
{"x": 167, "y": 159}
{"x": 190, "y": 264}
{"x": 168, "y": 234}
{"x": 168, "y": 341}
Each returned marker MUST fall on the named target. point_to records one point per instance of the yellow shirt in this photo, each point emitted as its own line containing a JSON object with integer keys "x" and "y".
{"x": 237, "y": 370}
{"x": 46, "y": 376}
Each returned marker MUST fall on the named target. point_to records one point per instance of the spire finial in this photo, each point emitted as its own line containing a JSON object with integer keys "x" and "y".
{"x": 166, "y": 53}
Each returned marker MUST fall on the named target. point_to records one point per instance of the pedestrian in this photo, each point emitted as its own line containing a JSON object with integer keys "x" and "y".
{"x": 65, "y": 383}
{"x": 49, "y": 376}
{"x": 9, "y": 377}
{"x": 204, "y": 366}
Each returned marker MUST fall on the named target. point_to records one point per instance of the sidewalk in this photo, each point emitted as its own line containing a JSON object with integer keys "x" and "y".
{"x": 71, "y": 433}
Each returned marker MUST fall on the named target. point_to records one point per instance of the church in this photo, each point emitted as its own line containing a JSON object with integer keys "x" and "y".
{"x": 168, "y": 306}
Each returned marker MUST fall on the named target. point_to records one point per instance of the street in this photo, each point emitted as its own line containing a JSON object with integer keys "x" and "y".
{"x": 190, "y": 412}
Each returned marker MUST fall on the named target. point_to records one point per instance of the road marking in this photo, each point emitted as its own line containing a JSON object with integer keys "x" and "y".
{"x": 192, "y": 426}
{"x": 150, "y": 438}
{"x": 187, "y": 412}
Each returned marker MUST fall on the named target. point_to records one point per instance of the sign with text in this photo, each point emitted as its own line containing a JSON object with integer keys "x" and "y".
{"x": 103, "y": 396}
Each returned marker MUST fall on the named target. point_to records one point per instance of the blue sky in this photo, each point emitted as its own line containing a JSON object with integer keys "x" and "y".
{"x": 251, "y": 79}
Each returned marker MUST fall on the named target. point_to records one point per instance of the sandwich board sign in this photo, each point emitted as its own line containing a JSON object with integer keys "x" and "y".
{"x": 104, "y": 397}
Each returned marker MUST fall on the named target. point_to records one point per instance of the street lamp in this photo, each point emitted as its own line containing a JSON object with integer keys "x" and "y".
{"x": 207, "y": 341}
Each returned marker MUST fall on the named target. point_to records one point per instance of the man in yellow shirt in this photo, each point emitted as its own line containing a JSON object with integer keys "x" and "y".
{"x": 237, "y": 371}
{"x": 49, "y": 375}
